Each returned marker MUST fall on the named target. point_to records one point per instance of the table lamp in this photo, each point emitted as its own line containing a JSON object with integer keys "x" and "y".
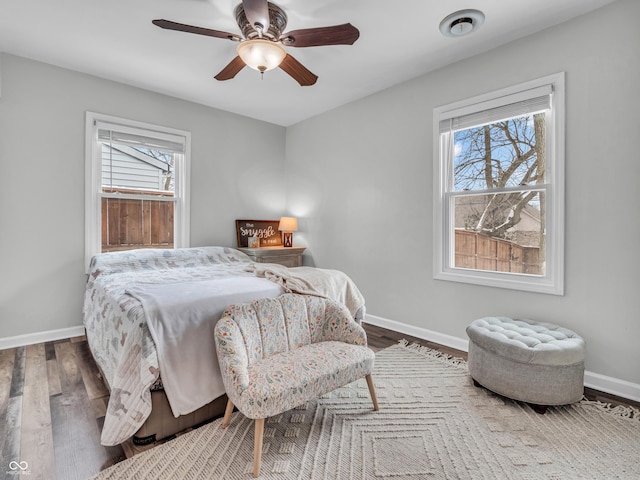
{"x": 287, "y": 226}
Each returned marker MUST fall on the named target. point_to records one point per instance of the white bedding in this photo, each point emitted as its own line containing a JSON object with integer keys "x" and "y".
{"x": 332, "y": 284}
{"x": 185, "y": 314}
{"x": 117, "y": 329}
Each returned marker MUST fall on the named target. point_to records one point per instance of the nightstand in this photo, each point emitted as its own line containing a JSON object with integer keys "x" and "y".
{"x": 287, "y": 256}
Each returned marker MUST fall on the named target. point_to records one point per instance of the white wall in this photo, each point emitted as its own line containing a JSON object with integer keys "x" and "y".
{"x": 42, "y": 118}
{"x": 360, "y": 177}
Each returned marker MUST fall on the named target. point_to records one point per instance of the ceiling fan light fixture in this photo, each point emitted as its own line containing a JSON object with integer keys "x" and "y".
{"x": 461, "y": 23}
{"x": 261, "y": 55}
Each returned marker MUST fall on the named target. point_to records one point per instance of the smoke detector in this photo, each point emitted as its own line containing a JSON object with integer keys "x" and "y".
{"x": 461, "y": 23}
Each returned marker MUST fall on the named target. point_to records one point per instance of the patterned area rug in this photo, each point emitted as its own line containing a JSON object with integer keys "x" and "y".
{"x": 432, "y": 424}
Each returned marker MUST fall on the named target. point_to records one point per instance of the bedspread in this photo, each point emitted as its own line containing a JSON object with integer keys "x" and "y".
{"x": 117, "y": 329}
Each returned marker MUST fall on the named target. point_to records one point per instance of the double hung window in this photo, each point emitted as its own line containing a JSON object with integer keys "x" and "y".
{"x": 499, "y": 188}
{"x": 137, "y": 185}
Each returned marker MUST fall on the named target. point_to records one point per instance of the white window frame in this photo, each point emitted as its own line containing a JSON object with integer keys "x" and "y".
{"x": 552, "y": 282}
{"x": 93, "y": 179}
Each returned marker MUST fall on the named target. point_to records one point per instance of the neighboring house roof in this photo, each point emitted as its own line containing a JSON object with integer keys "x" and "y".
{"x": 127, "y": 167}
{"x": 132, "y": 152}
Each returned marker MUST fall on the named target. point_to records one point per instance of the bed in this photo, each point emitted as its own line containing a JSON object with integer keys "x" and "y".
{"x": 149, "y": 317}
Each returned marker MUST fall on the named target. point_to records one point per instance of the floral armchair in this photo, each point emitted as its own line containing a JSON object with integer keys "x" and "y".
{"x": 278, "y": 353}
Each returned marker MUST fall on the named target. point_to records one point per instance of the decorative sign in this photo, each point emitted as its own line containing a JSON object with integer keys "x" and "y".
{"x": 265, "y": 230}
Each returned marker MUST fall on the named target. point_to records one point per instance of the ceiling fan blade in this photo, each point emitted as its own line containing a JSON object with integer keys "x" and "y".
{"x": 231, "y": 70}
{"x": 298, "y": 71}
{"x": 257, "y": 12}
{"x": 345, "y": 34}
{"x": 181, "y": 27}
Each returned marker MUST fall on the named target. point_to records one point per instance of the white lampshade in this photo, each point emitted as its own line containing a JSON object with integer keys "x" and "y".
{"x": 288, "y": 224}
{"x": 260, "y": 54}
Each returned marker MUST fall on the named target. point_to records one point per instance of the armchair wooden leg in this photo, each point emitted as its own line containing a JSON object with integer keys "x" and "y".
{"x": 372, "y": 392}
{"x": 257, "y": 447}
{"x": 227, "y": 414}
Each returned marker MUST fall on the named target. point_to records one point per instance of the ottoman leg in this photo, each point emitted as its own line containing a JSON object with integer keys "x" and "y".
{"x": 541, "y": 409}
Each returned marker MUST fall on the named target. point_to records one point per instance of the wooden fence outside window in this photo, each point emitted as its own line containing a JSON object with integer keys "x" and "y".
{"x": 480, "y": 252}
{"x": 128, "y": 223}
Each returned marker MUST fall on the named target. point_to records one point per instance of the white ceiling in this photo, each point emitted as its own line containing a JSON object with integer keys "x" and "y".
{"x": 399, "y": 40}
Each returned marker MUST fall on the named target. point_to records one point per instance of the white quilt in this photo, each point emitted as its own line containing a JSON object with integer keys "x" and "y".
{"x": 181, "y": 318}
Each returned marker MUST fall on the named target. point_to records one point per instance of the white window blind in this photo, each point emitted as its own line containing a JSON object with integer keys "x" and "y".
{"x": 131, "y": 136}
{"x": 509, "y": 106}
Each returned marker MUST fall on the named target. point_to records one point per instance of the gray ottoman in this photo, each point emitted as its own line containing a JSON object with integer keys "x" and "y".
{"x": 538, "y": 363}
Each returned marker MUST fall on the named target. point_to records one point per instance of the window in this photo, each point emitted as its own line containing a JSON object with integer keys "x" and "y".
{"x": 498, "y": 188}
{"x": 136, "y": 185}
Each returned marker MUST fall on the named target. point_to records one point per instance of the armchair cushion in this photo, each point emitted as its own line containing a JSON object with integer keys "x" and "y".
{"x": 289, "y": 379}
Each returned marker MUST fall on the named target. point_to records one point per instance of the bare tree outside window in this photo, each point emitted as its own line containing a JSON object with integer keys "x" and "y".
{"x": 168, "y": 159}
{"x": 507, "y": 157}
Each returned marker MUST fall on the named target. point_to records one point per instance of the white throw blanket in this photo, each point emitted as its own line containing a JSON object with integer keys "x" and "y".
{"x": 321, "y": 282}
{"x": 181, "y": 318}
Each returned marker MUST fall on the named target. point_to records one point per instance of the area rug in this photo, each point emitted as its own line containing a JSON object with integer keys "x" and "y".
{"x": 432, "y": 424}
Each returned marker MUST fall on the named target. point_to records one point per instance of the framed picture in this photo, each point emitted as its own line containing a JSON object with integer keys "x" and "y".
{"x": 254, "y": 242}
{"x": 266, "y": 231}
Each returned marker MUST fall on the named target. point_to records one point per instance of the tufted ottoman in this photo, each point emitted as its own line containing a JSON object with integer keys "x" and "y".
{"x": 538, "y": 363}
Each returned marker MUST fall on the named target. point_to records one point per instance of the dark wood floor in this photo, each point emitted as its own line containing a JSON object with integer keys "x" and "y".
{"x": 52, "y": 406}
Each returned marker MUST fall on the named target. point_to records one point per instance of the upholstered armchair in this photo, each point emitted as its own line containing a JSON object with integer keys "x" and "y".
{"x": 278, "y": 353}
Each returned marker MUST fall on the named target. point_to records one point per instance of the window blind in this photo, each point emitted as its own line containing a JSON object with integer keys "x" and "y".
{"x": 522, "y": 103}
{"x": 133, "y": 137}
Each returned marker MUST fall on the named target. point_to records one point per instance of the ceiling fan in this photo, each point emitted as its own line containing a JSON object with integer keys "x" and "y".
{"x": 262, "y": 42}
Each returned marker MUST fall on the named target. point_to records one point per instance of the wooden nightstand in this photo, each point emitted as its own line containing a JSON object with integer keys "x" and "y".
{"x": 287, "y": 256}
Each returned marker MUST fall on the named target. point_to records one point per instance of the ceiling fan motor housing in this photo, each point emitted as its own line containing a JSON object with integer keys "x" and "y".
{"x": 277, "y": 23}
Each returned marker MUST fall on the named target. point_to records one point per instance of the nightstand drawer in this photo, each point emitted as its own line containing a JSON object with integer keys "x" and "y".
{"x": 287, "y": 256}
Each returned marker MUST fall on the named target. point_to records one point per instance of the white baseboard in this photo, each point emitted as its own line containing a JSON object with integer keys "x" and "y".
{"x": 602, "y": 383}
{"x": 615, "y": 386}
{"x": 40, "y": 337}
{"x": 419, "y": 332}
